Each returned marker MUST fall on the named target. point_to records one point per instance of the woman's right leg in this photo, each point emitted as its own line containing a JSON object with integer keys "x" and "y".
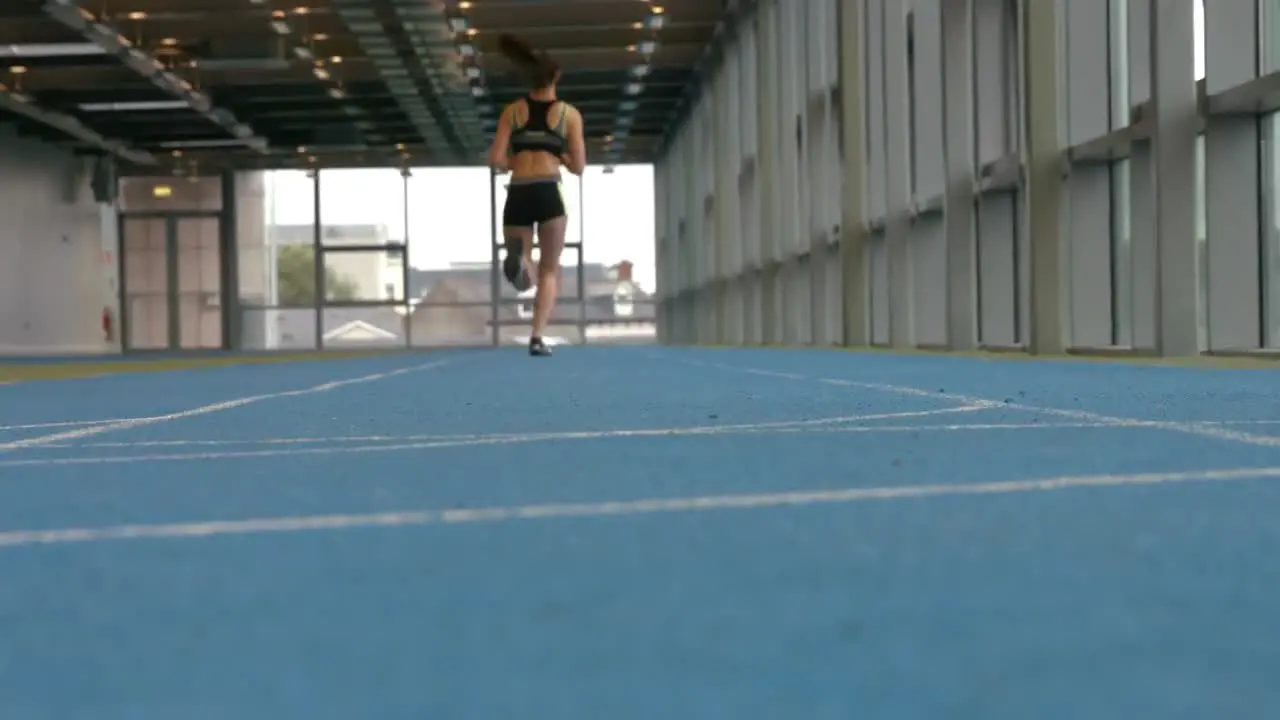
{"x": 551, "y": 244}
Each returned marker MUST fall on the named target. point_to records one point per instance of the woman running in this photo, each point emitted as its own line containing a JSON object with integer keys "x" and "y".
{"x": 537, "y": 135}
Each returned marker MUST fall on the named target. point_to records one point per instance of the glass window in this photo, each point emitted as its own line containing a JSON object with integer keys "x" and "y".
{"x": 911, "y": 103}
{"x": 1202, "y": 247}
{"x": 1271, "y": 229}
{"x": 1199, "y": 40}
{"x": 1269, "y": 30}
{"x": 1121, "y": 257}
{"x": 275, "y": 233}
{"x": 1119, "y": 56}
{"x": 362, "y": 207}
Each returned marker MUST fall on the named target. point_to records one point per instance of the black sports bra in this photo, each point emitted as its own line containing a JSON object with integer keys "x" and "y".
{"x": 535, "y": 135}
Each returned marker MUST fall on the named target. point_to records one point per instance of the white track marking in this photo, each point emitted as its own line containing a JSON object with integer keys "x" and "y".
{"x": 127, "y": 424}
{"x": 66, "y": 423}
{"x": 446, "y": 441}
{"x": 348, "y": 439}
{"x": 1217, "y": 432}
{"x": 339, "y": 440}
{"x": 617, "y": 508}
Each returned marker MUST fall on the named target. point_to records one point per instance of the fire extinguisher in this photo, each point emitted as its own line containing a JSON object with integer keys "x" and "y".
{"x": 108, "y": 333}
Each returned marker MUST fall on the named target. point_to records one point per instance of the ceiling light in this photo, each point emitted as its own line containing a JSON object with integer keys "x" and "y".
{"x": 337, "y": 93}
{"x": 140, "y": 106}
{"x": 32, "y": 50}
{"x": 169, "y": 42}
{"x": 137, "y": 15}
{"x": 464, "y": 5}
{"x": 658, "y": 9}
{"x": 472, "y": 32}
{"x": 320, "y": 37}
{"x": 219, "y": 143}
{"x": 301, "y": 10}
{"x": 320, "y": 73}
{"x": 18, "y": 69}
{"x": 336, "y": 60}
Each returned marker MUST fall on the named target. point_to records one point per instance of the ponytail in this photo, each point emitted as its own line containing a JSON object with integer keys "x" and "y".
{"x": 538, "y": 67}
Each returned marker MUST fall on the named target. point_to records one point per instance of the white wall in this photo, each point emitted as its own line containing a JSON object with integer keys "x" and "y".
{"x": 57, "y": 252}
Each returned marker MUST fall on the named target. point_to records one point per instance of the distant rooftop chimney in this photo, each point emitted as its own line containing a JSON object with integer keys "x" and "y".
{"x": 622, "y": 271}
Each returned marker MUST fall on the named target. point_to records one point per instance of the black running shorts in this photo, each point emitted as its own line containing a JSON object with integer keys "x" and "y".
{"x": 531, "y": 203}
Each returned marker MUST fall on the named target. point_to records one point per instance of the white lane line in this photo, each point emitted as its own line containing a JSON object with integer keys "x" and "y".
{"x": 340, "y": 440}
{"x": 478, "y": 440}
{"x": 66, "y": 423}
{"x": 127, "y": 424}
{"x": 1216, "y": 432}
{"x": 618, "y": 508}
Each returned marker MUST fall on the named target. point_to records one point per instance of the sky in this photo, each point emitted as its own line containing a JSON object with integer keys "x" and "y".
{"x": 449, "y": 218}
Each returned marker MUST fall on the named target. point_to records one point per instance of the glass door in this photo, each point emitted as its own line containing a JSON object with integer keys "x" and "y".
{"x": 172, "y": 282}
{"x": 145, "y": 282}
{"x": 198, "y": 290}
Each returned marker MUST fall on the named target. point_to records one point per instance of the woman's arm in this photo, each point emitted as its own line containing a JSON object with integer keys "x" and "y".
{"x": 501, "y": 142}
{"x": 575, "y": 157}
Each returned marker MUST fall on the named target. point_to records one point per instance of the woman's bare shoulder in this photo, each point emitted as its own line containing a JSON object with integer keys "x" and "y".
{"x": 571, "y": 110}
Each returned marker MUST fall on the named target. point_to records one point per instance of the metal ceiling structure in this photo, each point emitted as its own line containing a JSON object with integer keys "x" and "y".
{"x": 185, "y": 85}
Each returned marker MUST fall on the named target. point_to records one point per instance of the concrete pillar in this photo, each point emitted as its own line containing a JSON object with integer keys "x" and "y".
{"x": 853, "y": 230}
{"x": 1044, "y": 186}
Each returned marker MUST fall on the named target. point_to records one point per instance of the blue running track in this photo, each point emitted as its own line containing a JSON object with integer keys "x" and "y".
{"x": 643, "y": 533}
